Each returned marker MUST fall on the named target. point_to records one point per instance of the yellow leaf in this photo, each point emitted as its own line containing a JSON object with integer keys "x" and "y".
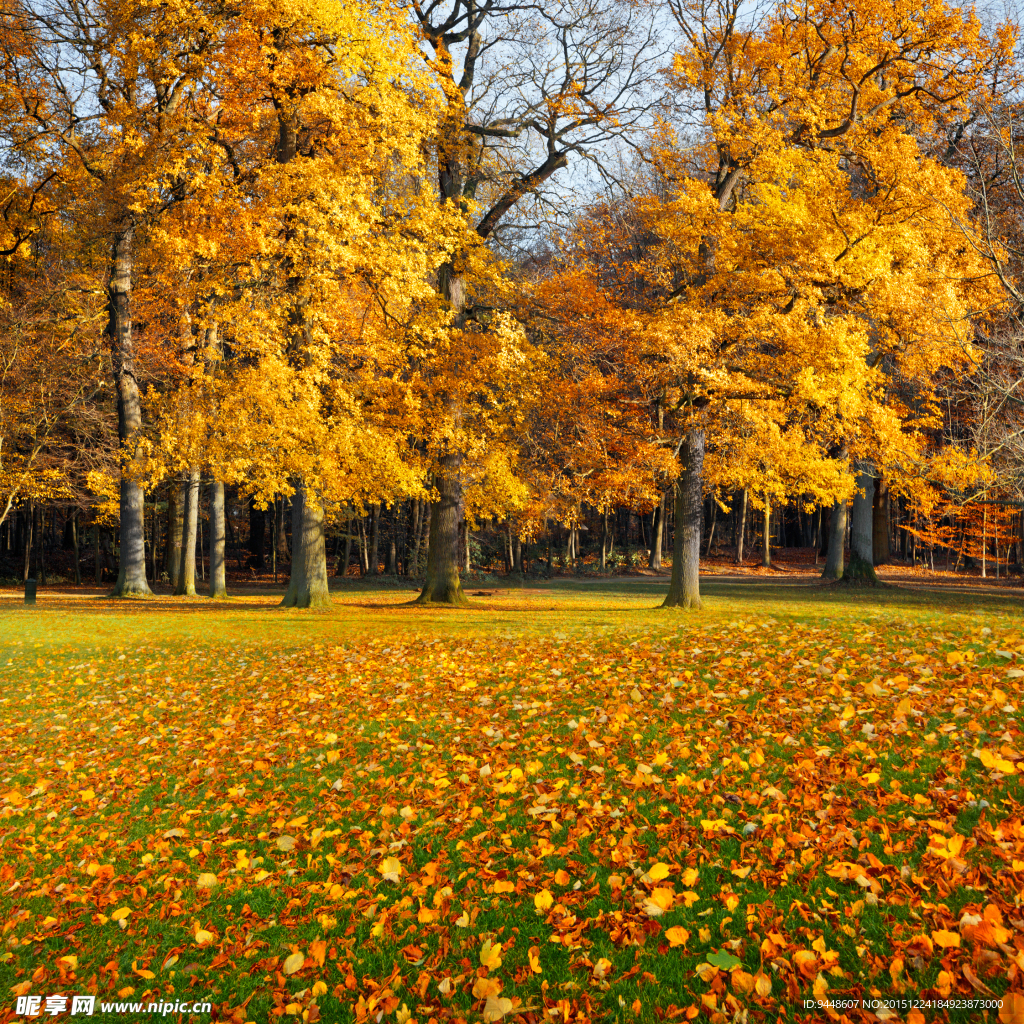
{"x": 206, "y": 881}
{"x": 762, "y": 985}
{"x": 484, "y": 987}
{"x": 947, "y": 940}
{"x": 390, "y": 869}
{"x": 658, "y": 872}
{"x": 562, "y": 877}
{"x": 543, "y": 900}
{"x": 677, "y": 936}
{"x": 504, "y": 886}
{"x": 293, "y": 963}
{"x": 204, "y": 938}
{"x": 490, "y": 955}
{"x": 120, "y": 914}
{"x": 534, "y": 957}
{"x": 87, "y": 795}
{"x": 690, "y": 877}
{"x": 69, "y": 961}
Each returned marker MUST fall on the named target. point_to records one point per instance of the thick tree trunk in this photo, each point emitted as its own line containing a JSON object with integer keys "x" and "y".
{"x": 862, "y": 515}
{"x": 836, "y": 542}
{"x": 175, "y": 506}
{"x": 131, "y": 577}
{"x": 190, "y": 526}
{"x": 684, "y": 588}
{"x": 443, "y": 585}
{"x": 307, "y": 587}
{"x": 218, "y": 553}
{"x": 742, "y": 527}
{"x": 517, "y": 555}
{"x": 657, "y": 531}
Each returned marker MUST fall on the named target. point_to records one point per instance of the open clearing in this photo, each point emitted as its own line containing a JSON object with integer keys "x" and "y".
{"x": 558, "y": 805}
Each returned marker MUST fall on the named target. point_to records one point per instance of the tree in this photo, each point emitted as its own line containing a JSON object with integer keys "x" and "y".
{"x": 800, "y": 219}
{"x": 106, "y": 98}
{"x": 526, "y": 89}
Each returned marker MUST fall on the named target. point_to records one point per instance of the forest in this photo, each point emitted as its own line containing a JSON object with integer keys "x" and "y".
{"x": 317, "y": 289}
{"x": 511, "y": 512}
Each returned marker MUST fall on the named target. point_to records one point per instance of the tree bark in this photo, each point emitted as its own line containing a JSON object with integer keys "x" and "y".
{"x": 442, "y": 585}
{"x": 131, "y": 577}
{"x": 98, "y": 556}
{"x": 30, "y": 518}
{"x": 836, "y": 540}
{"x": 657, "y": 531}
{"x": 862, "y": 515}
{"x": 175, "y": 507}
{"x": 684, "y": 588}
{"x": 742, "y": 527}
{"x": 307, "y": 586}
{"x": 190, "y": 525}
{"x": 218, "y": 552}
{"x": 766, "y": 545}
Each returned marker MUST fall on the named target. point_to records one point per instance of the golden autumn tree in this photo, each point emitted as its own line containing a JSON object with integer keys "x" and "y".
{"x": 106, "y": 95}
{"x": 315, "y": 241}
{"x": 528, "y": 91}
{"x": 799, "y": 246}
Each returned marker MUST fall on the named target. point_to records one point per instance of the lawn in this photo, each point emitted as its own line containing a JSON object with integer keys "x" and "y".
{"x": 560, "y": 805}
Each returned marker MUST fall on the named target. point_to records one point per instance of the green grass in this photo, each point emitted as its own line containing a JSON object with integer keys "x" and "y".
{"x": 562, "y": 726}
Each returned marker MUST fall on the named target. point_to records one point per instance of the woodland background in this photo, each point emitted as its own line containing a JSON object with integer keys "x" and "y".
{"x": 312, "y": 289}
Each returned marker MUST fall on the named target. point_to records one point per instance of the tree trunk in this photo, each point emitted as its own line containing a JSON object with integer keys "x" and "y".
{"x": 766, "y": 537}
{"x": 657, "y": 531}
{"x": 307, "y": 587}
{"x": 190, "y": 525}
{"x": 218, "y": 553}
{"x": 30, "y": 518}
{"x": 131, "y": 577}
{"x": 412, "y": 567}
{"x": 836, "y": 541}
{"x": 861, "y": 520}
{"x": 74, "y": 542}
{"x": 175, "y": 508}
{"x": 517, "y": 555}
{"x": 282, "y": 533}
{"x": 684, "y": 588}
{"x": 442, "y": 585}
{"x": 372, "y": 563}
{"x": 742, "y": 527}
{"x": 98, "y": 553}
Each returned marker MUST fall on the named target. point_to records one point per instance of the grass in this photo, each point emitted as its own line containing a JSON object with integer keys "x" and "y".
{"x": 560, "y": 804}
